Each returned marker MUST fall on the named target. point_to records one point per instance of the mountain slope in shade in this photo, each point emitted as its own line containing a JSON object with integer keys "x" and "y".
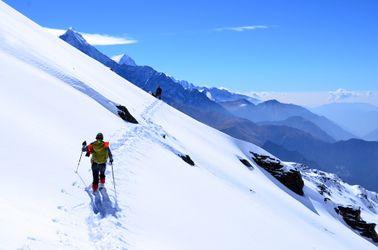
{"x": 360, "y": 118}
{"x": 304, "y": 125}
{"x": 273, "y": 110}
{"x": 164, "y": 203}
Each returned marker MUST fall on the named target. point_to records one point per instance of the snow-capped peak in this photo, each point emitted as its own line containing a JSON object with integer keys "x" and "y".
{"x": 73, "y": 35}
{"x": 222, "y": 94}
{"x": 185, "y": 84}
{"x": 124, "y": 59}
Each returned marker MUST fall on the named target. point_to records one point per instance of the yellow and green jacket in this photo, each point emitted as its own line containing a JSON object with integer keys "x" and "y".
{"x": 100, "y": 151}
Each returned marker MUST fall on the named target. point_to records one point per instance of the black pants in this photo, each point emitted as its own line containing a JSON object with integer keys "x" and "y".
{"x": 98, "y": 171}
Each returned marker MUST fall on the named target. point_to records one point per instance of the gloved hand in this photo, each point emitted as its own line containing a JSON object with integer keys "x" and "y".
{"x": 111, "y": 161}
{"x": 84, "y": 146}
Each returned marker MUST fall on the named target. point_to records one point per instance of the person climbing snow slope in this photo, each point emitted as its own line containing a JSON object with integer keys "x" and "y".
{"x": 100, "y": 153}
{"x": 158, "y": 92}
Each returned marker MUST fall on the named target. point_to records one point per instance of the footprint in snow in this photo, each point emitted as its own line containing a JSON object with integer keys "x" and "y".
{"x": 64, "y": 192}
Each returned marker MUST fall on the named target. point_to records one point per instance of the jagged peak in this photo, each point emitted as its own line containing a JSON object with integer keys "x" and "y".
{"x": 72, "y": 34}
{"x": 124, "y": 59}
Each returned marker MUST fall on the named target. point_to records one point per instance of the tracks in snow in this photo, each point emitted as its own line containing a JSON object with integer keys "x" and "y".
{"x": 125, "y": 147}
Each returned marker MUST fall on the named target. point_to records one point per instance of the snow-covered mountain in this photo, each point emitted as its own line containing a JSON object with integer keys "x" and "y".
{"x": 213, "y": 93}
{"x": 124, "y": 59}
{"x": 190, "y": 101}
{"x": 273, "y": 110}
{"x": 217, "y": 94}
{"x": 77, "y": 40}
{"x": 236, "y": 196}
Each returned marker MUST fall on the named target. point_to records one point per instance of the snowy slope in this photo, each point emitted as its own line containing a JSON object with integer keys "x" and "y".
{"x": 53, "y": 97}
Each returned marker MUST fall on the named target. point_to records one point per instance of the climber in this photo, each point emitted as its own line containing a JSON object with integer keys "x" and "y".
{"x": 100, "y": 153}
{"x": 158, "y": 92}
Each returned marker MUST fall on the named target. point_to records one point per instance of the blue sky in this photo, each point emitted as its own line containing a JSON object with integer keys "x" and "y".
{"x": 291, "y": 46}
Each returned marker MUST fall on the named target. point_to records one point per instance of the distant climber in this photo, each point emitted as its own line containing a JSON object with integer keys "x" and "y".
{"x": 158, "y": 92}
{"x": 100, "y": 153}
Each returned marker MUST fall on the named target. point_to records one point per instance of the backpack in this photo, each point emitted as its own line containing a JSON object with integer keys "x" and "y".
{"x": 99, "y": 151}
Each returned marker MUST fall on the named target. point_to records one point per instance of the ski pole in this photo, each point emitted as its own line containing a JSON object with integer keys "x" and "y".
{"x": 114, "y": 185}
{"x": 81, "y": 178}
{"x": 78, "y": 164}
{"x": 77, "y": 169}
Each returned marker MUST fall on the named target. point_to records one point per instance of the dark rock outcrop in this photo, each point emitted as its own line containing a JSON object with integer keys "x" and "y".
{"x": 246, "y": 163}
{"x": 323, "y": 190}
{"x": 125, "y": 114}
{"x": 291, "y": 178}
{"x": 352, "y": 217}
{"x": 187, "y": 159}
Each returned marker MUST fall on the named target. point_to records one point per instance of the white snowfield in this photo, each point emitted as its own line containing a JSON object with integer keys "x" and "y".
{"x": 53, "y": 97}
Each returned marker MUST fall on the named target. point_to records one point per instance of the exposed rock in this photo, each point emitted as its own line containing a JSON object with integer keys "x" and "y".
{"x": 125, "y": 114}
{"x": 352, "y": 217}
{"x": 246, "y": 163}
{"x": 187, "y": 159}
{"x": 324, "y": 190}
{"x": 291, "y": 178}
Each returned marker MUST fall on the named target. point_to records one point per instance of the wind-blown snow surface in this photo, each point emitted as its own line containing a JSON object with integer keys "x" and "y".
{"x": 53, "y": 97}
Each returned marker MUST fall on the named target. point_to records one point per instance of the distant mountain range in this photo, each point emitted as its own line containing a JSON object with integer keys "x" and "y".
{"x": 303, "y": 140}
{"x": 223, "y": 95}
{"x": 216, "y": 94}
{"x": 274, "y": 111}
{"x": 359, "y": 118}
